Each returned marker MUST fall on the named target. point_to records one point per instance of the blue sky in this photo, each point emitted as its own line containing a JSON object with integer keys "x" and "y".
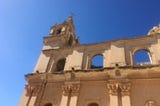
{"x": 23, "y": 24}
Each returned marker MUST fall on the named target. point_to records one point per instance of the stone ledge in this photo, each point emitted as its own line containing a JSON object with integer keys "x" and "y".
{"x": 105, "y": 74}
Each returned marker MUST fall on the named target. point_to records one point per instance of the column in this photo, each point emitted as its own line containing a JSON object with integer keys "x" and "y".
{"x": 125, "y": 92}
{"x": 113, "y": 94}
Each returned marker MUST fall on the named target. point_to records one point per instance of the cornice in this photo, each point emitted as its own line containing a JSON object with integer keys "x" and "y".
{"x": 99, "y": 75}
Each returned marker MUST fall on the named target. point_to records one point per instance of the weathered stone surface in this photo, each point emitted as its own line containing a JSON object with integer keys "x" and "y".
{"x": 73, "y": 82}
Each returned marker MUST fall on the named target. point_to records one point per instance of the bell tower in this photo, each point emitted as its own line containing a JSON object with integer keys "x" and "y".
{"x": 52, "y": 61}
{"x": 62, "y": 35}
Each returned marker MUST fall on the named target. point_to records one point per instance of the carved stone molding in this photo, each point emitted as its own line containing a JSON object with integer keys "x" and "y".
{"x": 66, "y": 89}
{"x": 125, "y": 88}
{"x": 71, "y": 88}
{"x": 112, "y": 88}
{"x": 75, "y": 89}
{"x": 32, "y": 89}
{"x": 116, "y": 87}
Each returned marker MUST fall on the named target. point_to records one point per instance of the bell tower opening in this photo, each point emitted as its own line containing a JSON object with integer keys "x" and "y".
{"x": 60, "y": 65}
{"x": 62, "y": 34}
{"x": 58, "y": 31}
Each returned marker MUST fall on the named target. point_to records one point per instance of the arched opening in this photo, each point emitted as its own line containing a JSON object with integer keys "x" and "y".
{"x": 142, "y": 57}
{"x": 93, "y": 104}
{"x": 60, "y": 65}
{"x": 70, "y": 40}
{"x": 97, "y": 62}
{"x": 58, "y": 31}
{"x": 48, "y": 104}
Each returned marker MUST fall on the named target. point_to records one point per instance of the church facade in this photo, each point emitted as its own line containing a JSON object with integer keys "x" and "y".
{"x": 65, "y": 75}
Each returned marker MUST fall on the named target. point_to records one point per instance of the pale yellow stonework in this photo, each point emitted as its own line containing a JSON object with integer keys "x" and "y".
{"x": 63, "y": 75}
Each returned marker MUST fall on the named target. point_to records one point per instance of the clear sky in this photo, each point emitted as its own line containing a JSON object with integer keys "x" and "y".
{"x": 23, "y": 24}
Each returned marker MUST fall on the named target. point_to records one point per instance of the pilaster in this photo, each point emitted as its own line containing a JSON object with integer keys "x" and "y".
{"x": 32, "y": 92}
{"x": 113, "y": 93}
{"x": 125, "y": 92}
{"x": 70, "y": 93}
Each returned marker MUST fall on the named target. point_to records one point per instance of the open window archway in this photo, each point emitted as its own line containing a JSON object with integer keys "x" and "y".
{"x": 97, "y": 61}
{"x": 60, "y": 65}
{"x": 93, "y": 104}
{"x": 142, "y": 57}
{"x": 70, "y": 41}
{"x": 48, "y": 104}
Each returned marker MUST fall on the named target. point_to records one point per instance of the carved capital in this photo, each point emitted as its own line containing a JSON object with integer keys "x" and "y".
{"x": 32, "y": 89}
{"x": 112, "y": 88}
{"x": 75, "y": 89}
{"x": 125, "y": 88}
{"x": 66, "y": 89}
{"x": 29, "y": 89}
{"x": 71, "y": 88}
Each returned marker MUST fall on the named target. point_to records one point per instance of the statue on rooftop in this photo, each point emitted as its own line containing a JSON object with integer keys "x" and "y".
{"x": 154, "y": 30}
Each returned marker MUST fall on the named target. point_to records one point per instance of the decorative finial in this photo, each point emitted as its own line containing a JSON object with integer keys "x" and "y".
{"x": 70, "y": 19}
